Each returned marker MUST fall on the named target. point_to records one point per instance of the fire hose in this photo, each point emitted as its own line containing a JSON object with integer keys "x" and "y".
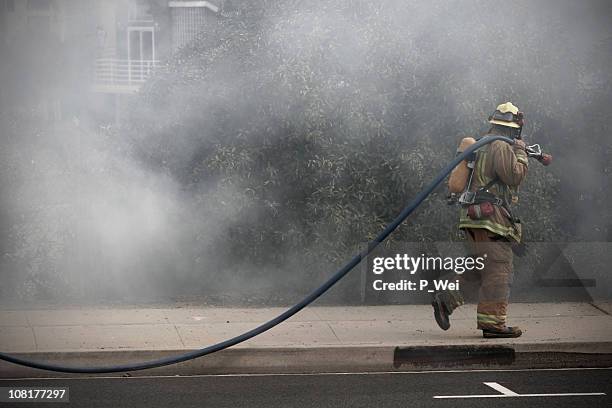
{"x": 533, "y": 151}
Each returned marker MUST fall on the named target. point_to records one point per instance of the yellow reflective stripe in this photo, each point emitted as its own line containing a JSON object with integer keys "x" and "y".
{"x": 494, "y": 227}
{"x": 487, "y": 318}
{"x": 492, "y": 316}
{"x": 520, "y": 153}
{"x": 487, "y": 224}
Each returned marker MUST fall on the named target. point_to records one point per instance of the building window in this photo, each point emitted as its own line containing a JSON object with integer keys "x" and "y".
{"x": 10, "y": 5}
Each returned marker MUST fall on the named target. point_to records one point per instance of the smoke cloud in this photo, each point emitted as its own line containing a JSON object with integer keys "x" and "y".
{"x": 288, "y": 132}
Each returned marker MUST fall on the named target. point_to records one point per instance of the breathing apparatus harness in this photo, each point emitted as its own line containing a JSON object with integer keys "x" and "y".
{"x": 315, "y": 294}
{"x": 480, "y": 203}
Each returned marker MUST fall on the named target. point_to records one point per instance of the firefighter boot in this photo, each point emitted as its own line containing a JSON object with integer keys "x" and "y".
{"x": 444, "y": 303}
{"x": 441, "y": 311}
{"x": 502, "y": 333}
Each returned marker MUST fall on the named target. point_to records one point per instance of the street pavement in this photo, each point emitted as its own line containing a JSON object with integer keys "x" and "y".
{"x": 530, "y": 388}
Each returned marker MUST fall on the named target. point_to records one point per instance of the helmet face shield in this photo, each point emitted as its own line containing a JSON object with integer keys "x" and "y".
{"x": 507, "y": 119}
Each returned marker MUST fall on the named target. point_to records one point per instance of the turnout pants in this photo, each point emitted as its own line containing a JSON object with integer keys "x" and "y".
{"x": 495, "y": 278}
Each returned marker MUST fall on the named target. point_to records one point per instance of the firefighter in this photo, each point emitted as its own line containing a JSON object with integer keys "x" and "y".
{"x": 489, "y": 225}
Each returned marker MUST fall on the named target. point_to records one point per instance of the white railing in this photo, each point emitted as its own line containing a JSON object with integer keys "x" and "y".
{"x": 110, "y": 72}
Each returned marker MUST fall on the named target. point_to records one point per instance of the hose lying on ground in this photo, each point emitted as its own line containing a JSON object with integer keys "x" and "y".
{"x": 286, "y": 314}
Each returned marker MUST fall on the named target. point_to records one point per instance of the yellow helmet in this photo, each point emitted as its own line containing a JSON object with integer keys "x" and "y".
{"x": 507, "y": 114}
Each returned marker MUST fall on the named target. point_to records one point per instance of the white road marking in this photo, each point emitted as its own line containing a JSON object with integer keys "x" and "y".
{"x": 134, "y": 377}
{"x": 507, "y": 393}
{"x": 501, "y": 388}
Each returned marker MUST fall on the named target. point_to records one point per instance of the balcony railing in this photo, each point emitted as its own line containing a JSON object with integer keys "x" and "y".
{"x": 121, "y": 76}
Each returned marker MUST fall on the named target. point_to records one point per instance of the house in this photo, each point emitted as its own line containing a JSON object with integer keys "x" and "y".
{"x": 133, "y": 36}
{"x": 56, "y": 50}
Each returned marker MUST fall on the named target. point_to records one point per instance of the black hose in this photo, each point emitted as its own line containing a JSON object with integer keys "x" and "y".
{"x": 286, "y": 314}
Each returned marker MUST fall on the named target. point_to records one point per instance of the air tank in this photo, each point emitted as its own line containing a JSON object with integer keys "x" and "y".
{"x": 457, "y": 182}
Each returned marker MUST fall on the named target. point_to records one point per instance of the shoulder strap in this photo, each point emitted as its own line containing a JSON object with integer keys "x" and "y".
{"x": 489, "y": 184}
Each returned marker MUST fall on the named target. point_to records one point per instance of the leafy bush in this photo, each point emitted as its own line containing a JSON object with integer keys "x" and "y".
{"x": 327, "y": 118}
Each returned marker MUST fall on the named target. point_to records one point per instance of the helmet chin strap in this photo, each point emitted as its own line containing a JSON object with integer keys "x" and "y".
{"x": 521, "y": 122}
{"x": 518, "y": 133}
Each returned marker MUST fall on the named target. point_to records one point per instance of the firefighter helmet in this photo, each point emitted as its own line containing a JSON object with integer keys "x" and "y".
{"x": 507, "y": 114}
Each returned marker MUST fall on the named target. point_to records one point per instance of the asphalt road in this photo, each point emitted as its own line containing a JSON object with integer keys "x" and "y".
{"x": 338, "y": 390}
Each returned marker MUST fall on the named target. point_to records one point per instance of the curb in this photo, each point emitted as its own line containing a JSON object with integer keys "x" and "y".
{"x": 292, "y": 360}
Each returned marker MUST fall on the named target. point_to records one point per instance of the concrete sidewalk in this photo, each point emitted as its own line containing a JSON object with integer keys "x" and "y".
{"x": 317, "y": 338}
